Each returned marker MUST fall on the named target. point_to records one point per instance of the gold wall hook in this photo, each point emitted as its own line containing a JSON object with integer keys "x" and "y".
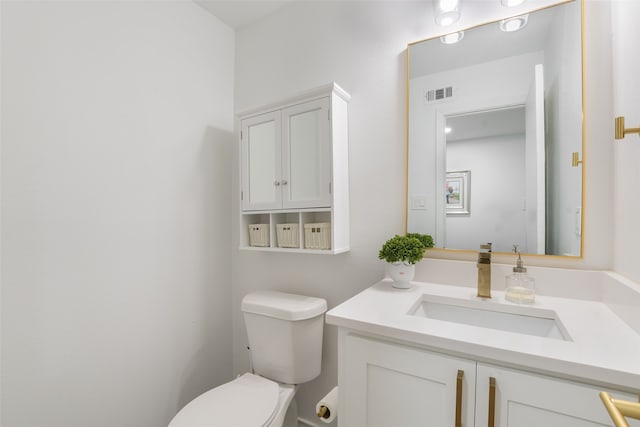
{"x": 575, "y": 159}
{"x": 621, "y": 132}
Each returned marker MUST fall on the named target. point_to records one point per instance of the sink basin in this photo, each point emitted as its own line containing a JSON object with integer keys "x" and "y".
{"x": 487, "y": 314}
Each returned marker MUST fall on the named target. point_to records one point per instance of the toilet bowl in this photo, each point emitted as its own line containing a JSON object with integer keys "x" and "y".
{"x": 247, "y": 401}
{"x": 285, "y": 338}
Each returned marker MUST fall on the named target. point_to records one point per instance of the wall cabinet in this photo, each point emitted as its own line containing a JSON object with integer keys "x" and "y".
{"x": 384, "y": 384}
{"x": 285, "y": 158}
{"x": 294, "y": 171}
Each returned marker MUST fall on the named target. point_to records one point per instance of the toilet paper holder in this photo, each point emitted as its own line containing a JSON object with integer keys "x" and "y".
{"x": 327, "y": 407}
{"x": 324, "y": 412}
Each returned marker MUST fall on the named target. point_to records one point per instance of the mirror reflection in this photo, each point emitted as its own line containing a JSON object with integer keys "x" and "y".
{"x": 493, "y": 122}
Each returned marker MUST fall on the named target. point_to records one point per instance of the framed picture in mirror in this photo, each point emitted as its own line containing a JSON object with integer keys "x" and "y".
{"x": 458, "y": 193}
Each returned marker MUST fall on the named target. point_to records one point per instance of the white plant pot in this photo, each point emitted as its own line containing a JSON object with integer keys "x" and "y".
{"x": 401, "y": 273}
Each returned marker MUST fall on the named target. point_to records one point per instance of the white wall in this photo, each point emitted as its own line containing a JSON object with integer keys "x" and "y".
{"x": 116, "y": 125}
{"x": 626, "y": 205}
{"x": 497, "y": 166}
{"x": 361, "y": 45}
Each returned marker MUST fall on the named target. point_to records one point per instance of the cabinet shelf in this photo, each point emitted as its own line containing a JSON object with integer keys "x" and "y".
{"x": 281, "y": 211}
{"x": 270, "y": 220}
{"x": 295, "y": 250}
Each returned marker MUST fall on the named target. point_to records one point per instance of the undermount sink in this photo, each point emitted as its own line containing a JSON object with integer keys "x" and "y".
{"x": 487, "y": 314}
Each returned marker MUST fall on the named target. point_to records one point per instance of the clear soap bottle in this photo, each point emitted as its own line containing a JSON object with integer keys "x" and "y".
{"x": 520, "y": 287}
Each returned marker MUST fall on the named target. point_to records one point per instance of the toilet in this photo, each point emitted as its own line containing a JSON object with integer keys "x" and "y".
{"x": 285, "y": 342}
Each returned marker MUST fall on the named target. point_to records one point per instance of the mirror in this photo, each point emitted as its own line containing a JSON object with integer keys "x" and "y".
{"x": 493, "y": 122}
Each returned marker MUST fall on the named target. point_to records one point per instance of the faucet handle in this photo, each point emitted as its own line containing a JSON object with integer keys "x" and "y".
{"x": 486, "y": 246}
{"x": 485, "y": 256}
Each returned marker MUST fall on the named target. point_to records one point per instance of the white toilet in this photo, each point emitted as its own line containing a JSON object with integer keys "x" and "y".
{"x": 285, "y": 340}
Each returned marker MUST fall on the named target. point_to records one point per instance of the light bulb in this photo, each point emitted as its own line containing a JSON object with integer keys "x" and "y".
{"x": 452, "y": 37}
{"x": 446, "y": 12}
{"x": 514, "y": 24}
{"x": 448, "y": 5}
{"x": 512, "y": 3}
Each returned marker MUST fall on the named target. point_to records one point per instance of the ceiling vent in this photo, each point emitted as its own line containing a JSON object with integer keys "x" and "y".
{"x": 436, "y": 95}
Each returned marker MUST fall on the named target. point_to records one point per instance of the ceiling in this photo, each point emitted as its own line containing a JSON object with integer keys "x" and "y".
{"x": 485, "y": 124}
{"x": 432, "y": 56}
{"x": 239, "y": 13}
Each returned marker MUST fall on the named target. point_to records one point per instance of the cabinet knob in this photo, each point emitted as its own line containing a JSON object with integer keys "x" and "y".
{"x": 284, "y": 182}
{"x": 276, "y": 183}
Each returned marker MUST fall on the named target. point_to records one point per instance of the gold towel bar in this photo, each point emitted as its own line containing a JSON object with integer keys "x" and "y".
{"x": 619, "y": 409}
{"x": 621, "y": 132}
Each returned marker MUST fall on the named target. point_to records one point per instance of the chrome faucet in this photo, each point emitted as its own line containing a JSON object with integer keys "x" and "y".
{"x": 484, "y": 271}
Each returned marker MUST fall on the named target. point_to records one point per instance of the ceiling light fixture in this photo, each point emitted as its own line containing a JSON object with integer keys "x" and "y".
{"x": 452, "y": 38}
{"x": 446, "y": 12}
{"x": 512, "y": 3}
{"x": 514, "y": 24}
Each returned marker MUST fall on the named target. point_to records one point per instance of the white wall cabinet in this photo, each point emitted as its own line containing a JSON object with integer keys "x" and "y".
{"x": 294, "y": 170}
{"x": 285, "y": 158}
{"x": 385, "y": 384}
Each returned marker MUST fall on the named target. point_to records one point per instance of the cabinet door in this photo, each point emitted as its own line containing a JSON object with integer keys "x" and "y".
{"x": 385, "y": 385}
{"x": 306, "y": 155}
{"x": 530, "y": 400}
{"x": 261, "y": 162}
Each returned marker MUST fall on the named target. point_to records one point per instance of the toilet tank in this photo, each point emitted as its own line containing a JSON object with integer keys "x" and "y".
{"x": 285, "y": 335}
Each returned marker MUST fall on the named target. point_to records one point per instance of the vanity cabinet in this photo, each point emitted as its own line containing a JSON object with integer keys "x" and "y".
{"x": 385, "y": 383}
{"x": 294, "y": 171}
{"x": 524, "y": 399}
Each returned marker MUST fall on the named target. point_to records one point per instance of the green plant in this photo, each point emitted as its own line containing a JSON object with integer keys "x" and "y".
{"x": 409, "y": 248}
{"x": 426, "y": 239}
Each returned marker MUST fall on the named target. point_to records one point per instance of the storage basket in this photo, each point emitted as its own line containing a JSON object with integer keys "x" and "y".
{"x": 288, "y": 235}
{"x": 317, "y": 235}
{"x": 259, "y": 235}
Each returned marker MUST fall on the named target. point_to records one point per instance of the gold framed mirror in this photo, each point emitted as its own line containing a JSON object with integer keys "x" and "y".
{"x": 503, "y": 110}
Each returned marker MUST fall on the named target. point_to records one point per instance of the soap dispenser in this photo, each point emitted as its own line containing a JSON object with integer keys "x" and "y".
{"x": 520, "y": 287}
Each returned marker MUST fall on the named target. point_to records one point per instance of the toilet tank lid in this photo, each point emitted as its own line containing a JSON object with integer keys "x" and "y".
{"x": 283, "y": 305}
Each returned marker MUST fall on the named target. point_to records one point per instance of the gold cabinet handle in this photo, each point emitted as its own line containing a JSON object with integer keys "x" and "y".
{"x": 459, "y": 398}
{"x": 492, "y": 401}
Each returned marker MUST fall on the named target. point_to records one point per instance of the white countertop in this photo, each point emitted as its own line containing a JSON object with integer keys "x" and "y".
{"x": 603, "y": 348}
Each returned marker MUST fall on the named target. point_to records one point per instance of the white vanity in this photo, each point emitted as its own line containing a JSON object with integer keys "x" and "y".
{"x": 436, "y": 355}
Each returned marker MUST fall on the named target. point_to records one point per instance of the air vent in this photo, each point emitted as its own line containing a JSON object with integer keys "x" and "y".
{"x": 435, "y": 95}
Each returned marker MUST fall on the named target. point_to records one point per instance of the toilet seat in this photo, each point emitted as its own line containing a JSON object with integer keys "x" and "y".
{"x": 247, "y": 401}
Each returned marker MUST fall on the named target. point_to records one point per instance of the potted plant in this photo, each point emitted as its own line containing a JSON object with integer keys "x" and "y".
{"x": 401, "y": 254}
